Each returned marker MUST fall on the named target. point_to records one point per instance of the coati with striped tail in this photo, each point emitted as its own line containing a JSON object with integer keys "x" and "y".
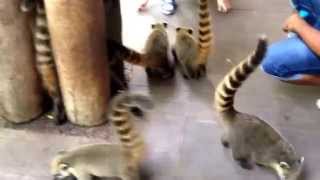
{"x": 156, "y": 53}
{"x": 44, "y": 57}
{"x": 251, "y": 139}
{"x": 191, "y": 56}
{"x": 108, "y": 160}
{"x": 155, "y": 56}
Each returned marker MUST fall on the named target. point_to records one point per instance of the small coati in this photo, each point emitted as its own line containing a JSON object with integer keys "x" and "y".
{"x": 44, "y": 57}
{"x": 191, "y": 56}
{"x": 251, "y": 139}
{"x": 108, "y": 160}
{"x": 155, "y": 56}
{"x": 156, "y": 53}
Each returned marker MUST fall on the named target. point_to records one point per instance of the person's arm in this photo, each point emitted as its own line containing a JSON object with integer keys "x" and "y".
{"x": 309, "y": 34}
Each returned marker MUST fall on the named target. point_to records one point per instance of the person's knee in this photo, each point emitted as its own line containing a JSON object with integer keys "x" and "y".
{"x": 273, "y": 65}
{"x": 277, "y": 61}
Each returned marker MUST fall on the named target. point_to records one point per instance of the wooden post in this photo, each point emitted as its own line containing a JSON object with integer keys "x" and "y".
{"x": 20, "y": 97}
{"x": 77, "y": 29}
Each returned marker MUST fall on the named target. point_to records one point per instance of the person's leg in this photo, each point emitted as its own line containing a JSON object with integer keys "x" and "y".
{"x": 143, "y": 6}
{"x": 224, "y": 5}
{"x": 169, "y": 7}
{"x": 318, "y": 103}
{"x": 292, "y": 61}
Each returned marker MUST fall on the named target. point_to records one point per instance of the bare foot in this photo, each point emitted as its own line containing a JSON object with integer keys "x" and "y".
{"x": 224, "y": 5}
{"x": 143, "y": 7}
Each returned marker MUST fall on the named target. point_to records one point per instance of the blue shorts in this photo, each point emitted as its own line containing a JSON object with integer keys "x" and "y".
{"x": 291, "y": 58}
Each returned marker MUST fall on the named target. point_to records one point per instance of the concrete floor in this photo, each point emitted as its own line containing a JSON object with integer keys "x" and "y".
{"x": 182, "y": 131}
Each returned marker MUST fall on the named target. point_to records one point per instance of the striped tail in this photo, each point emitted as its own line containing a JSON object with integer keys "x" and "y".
{"x": 225, "y": 92}
{"x": 205, "y": 34}
{"x": 122, "y": 119}
{"x": 44, "y": 55}
{"x": 42, "y": 37}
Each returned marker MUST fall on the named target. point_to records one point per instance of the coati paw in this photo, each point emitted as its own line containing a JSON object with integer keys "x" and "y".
{"x": 224, "y": 6}
{"x": 199, "y": 71}
{"x": 225, "y": 143}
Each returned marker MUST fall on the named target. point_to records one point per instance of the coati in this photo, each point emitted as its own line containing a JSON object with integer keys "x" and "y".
{"x": 156, "y": 53}
{"x": 190, "y": 55}
{"x": 251, "y": 139}
{"x": 155, "y": 56}
{"x": 44, "y": 57}
{"x": 108, "y": 160}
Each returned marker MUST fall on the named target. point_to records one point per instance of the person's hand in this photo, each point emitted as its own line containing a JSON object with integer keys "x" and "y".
{"x": 293, "y": 23}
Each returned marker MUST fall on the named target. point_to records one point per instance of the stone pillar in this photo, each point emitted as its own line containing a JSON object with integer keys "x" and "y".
{"x": 77, "y": 29}
{"x": 20, "y": 97}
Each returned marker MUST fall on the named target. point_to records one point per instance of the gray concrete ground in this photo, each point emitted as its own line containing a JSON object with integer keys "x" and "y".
{"x": 182, "y": 131}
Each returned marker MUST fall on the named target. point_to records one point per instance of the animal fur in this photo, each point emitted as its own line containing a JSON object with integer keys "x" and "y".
{"x": 192, "y": 55}
{"x": 108, "y": 160}
{"x": 44, "y": 57}
{"x": 251, "y": 139}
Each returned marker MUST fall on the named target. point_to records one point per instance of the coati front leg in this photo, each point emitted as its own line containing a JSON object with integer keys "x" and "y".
{"x": 198, "y": 70}
{"x": 224, "y": 140}
{"x": 241, "y": 153}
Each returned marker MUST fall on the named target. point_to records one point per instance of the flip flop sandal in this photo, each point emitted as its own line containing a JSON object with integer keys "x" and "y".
{"x": 169, "y": 7}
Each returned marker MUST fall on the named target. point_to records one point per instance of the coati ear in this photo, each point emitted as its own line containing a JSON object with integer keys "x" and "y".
{"x": 153, "y": 26}
{"x": 165, "y": 24}
{"x": 178, "y": 29}
{"x": 190, "y": 31}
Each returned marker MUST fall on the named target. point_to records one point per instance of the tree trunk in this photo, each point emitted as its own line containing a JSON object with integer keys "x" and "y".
{"x": 77, "y": 29}
{"x": 20, "y": 97}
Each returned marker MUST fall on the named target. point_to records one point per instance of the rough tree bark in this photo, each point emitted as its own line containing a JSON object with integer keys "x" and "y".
{"x": 77, "y": 29}
{"x": 20, "y": 97}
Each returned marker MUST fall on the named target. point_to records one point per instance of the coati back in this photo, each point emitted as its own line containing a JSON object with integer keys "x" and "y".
{"x": 108, "y": 160}
{"x": 155, "y": 56}
{"x": 44, "y": 57}
{"x": 156, "y": 53}
{"x": 192, "y": 55}
{"x": 251, "y": 139}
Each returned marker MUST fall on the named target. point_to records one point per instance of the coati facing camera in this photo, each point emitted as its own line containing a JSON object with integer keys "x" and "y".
{"x": 251, "y": 139}
{"x": 108, "y": 160}
{"x": 189, "y": 54}
{"x": 44, "y": 57}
